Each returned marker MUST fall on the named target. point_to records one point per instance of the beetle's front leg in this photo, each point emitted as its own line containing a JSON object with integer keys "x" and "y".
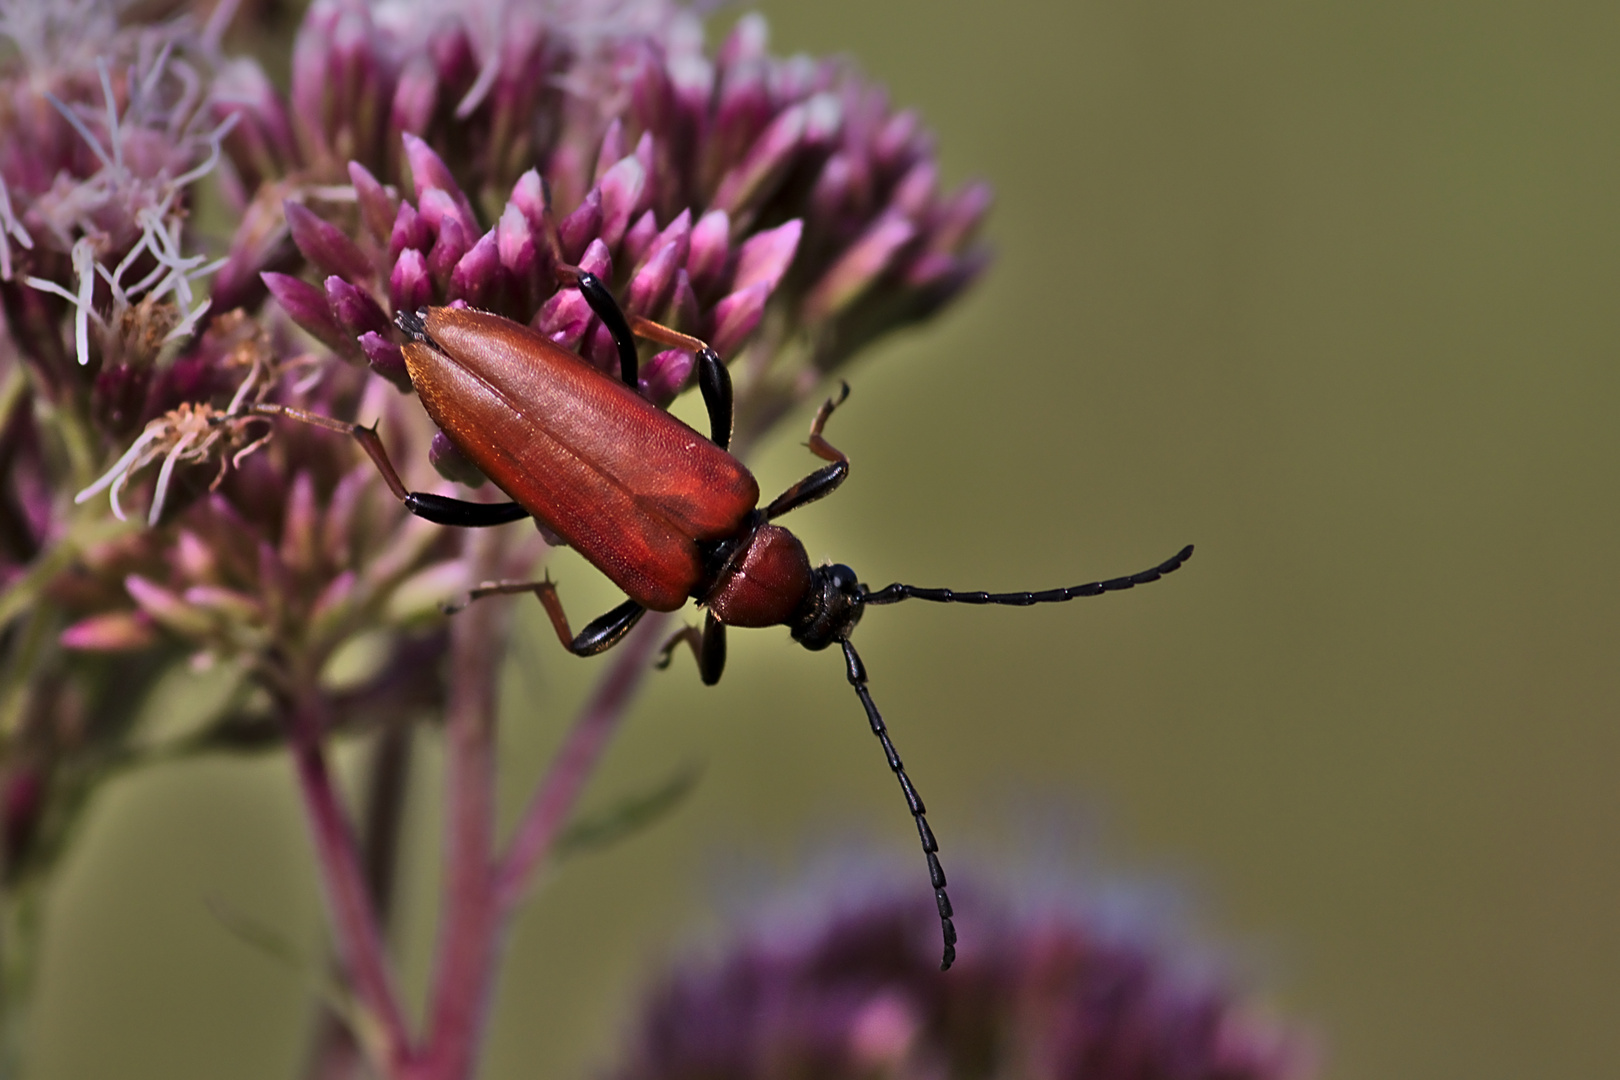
{"x": 823, "y": 481}
{"x": 708, "y": 648}
{"x": 600, "y": 635}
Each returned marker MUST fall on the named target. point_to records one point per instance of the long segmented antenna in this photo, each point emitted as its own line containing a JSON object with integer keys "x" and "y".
{"x": 893, "y": 594}
{"x": 936, "y": 873}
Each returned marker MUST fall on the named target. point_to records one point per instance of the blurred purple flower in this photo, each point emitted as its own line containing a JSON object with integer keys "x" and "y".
{"x": 1046, "y": 996}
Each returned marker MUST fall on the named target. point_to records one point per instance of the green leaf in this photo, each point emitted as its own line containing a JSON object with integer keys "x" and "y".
{"x": 630, "y": 815}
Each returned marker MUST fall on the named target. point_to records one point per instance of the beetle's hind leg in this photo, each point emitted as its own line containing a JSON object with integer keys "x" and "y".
{"x": 824, "y": 481}
{"x": 708, "y": 648}
{"x": 599, "y": 635}
{"x": 439, "y": 509}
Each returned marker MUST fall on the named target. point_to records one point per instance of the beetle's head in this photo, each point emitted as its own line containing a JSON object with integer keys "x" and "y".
{"x": 834, "y": 605}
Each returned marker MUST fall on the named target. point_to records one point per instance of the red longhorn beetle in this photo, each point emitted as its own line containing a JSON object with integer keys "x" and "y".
{"x": 666, "y": 514}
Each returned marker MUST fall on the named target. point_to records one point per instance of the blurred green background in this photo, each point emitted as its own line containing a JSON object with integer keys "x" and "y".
{"x": 1325, "y": 289}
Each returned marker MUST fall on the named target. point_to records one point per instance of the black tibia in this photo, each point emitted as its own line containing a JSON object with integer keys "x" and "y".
{"x": 708, "y": 648}
{"x": 893, "y": 594}
{"x": 856, "y": 671}
{"x": 599, "y": 636}
{"x": 714, "y": 381}
{"x": 443, "y": 510}
{"x": 439, "y": 509}
{"x": 823, "y": 481}
{"x": 607, "y": 309}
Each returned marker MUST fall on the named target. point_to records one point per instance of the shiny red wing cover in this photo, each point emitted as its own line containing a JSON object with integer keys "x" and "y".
{"x": 630, "y": 487}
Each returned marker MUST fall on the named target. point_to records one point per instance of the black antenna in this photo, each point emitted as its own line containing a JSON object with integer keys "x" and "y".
{"x": 936, "y": 873}
{"x": 893, "y": 594}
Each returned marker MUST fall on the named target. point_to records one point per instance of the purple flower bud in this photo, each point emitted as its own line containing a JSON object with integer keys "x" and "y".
{"x": 961, "y": 217}
{"x": 477, "y": 277}
{"x": 838, "y": 191}
{"x": 228, "y": 604}
{"x": 409, "y": 231}
{"x": 300, "y": 523}
{"x": 114, "y": 631}
{"x": 452, "y": 464}
{"x": 597, "y": 260}
{"x": 711, "y": 247}
{"x": 514, "y": 241}
{"x": 439, "y": 207}
{"x": 262, "y": 144}
{"x": 166, "y": 609}
{"x": 326, "y": 245}
{"x": 765, "y": 256}
{"x": 428, "y": 171}
{"x": 386, "y": 359}
{"x": 416, "y": 96}
{"x": 612, "y": 149}
{"x": 639, "y": 239}
{"x": 564, "y": 318}
{"x": 356, "y": 312}
{"x": 736, "y": 316}
{"x": 621, "y": 189}
{"x": 677, "y": 232}
{"x": 683, "y": 313}
{"x": 453, "y": 243}
{"x": 858, "y": 267}
{"x": 601, "y": 350}
{"x": 312, "y": 92}
{"x": 914, "y": 195}
{"x": 753, "y": 179}
{"x": 665, "y": 375}
{"x": 410, "y": 286}
{"x": 580, "y": 227}
{"x": 652, "y": 286}
{"x": 274, "y": 580}
{"x": 377, "y": 208}
{"x": 307, "y": 307}
{"x": 747, "y": 41}
{"x": 529, "y": 196}
{"x": 899, "y": 143}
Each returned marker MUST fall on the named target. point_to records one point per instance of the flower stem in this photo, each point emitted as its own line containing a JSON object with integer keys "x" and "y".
{"x": 553, "y": 803}
{"x": 358, "y": 935}
{"x": 464, "y": 977}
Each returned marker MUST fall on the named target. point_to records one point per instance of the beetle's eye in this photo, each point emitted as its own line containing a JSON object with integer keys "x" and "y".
{"x": 842, "y": 577}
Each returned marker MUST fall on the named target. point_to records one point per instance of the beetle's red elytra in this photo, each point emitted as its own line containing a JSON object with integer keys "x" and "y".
{"x": 667, "y": 514}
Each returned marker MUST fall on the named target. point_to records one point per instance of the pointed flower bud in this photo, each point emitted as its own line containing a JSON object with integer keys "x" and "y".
{"x": 710, "y": 248}
{"x": 306, "y": 305}
{"x": 410, "y": 286}
{"x": 859, "y": 267}
{"x": 378, "y": 209}
{"x": 356, "y": 312}
{"x": 326, "y": 245}
{"x": 765, "y": 256}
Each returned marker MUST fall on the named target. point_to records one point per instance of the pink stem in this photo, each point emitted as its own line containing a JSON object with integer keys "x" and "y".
{"x": 471, "y": 924}
{"x": 354, "y": 920}
{"x": 553, "y": 802}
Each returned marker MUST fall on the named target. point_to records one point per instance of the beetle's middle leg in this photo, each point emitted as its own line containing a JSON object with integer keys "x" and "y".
{"x": 713, "y": 379}
{"x": 600, "y": 635}
{"x": 439, "y": 509}
{"x": 824, "y": 481}
{"x": 708, "y": 648}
